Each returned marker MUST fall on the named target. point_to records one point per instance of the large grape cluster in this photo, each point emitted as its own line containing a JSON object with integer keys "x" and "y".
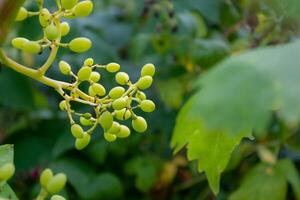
{"x": 108, "y": 107}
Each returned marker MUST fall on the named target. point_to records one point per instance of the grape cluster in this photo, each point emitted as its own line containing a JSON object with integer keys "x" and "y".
{"x": 6, "y": 171}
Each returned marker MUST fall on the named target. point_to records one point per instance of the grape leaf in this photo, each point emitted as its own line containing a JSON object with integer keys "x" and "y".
{"x": 7, "y": 193}
{"x": 236, "y": 98}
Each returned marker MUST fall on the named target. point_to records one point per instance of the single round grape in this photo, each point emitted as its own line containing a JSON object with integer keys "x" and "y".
{"x": 122, "y": 78}
{"x": 45, "y": 177}
{"x": 119, "y": 103}
{"x": 95, "y": 77}
{"x": 87, "y": 115}
{"x": 81, "y": 143}
{"x": 22, "y": 14}
{"x": 113, "y": 67}
{"x": 44, "y": 17}
{"x": 89, "y": 62}
{"x": 68, "y": 4}
{"x": 116, "y": 92}
{"x": 57, "y": 197}
{"x": 115, "y": 128}
{"x": 148, "y": 70}
{"x": 64, "y": 28}
{"x": 57, "y": 183}
{"x": 85, "y": 122}
{"x": 106, "y": 120}
{"x": 123, "y": 114}
{"x": 77, "y": 131}
{"x": 144, "y": 82}
{"x": 139, "y": 124}
{"x": 147, "y": 106}
{"x": 63, "y": 105}
{"x": 32, "y": 47}
{"x": 80, "y": 44}
{"x": 91, "y": 92}
{"x": 84, "y": 73}
{"x": 124, "y": 132}
{"x": 64, "y": 67}
{"x": 140, "y": 95}
{"x": 109, "y": 137}
{"x": 51, "y": 32}
{"x": 6, "y": 171}
{"x": 98, "y": 89}
{"x": 19, "y": 42}
{"x": 83, "y": 9}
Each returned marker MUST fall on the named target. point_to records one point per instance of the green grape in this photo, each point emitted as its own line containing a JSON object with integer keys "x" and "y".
{"x": 44, "y": 17}
{"x": 119, "y": 103}
{"x": 57, "y": 197}
{"x": 124, "y": 132}
{"x": 45, "y": 177}
{"x": 112, "y": 67}
{"x": 91, "y": 92}
{"x": 68, "y": 4}
{"x": 110, "y": 137}
{"x": 22, "y": 14}
{"x": 144, "y": 82}
{"x": 51, "y": 32}
{"x": 84, "y": 73}
{"x": 6, "y": 171}
{"x": 98, "y": 89}
{"x": 64, "y": 28}
{"x": 81, "y": 143}
{"x": 139, "y": 124}
{"x": 80, "y": 44}
{"x": 123, "y": 114}
{"x": 116, "y": 92}
{"x": 32, "y": 47}
{"x": 140, "y": 95}
{"x": 56, "y": 183}
{"x": 147, "y": 106}
{"x": 85, "y": 122}
{"x": 64, "y": 67}
{"x": 77, "y": 131}
{"x": 122, "y": 78}
{"x": 89, "y": 62}
{"x": 63, "y": 105}
{"x": 148, "y": 70}
{"x": 95, "y": 77}
{"x": 106, "y": 120}
{"x": 87, "y": 115}
{"x": 83, "y": 9}
{"x": 115, "y": 128}
{"x": 19, "y": 42}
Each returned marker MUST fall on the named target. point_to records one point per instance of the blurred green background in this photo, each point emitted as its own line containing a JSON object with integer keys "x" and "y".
{"x": 184, "y": 39}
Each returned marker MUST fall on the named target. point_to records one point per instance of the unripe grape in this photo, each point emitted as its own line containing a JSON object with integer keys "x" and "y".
{"x": 110, "y": 137}
{"x": 68, "y": 4}
{"x": 81, "y": 143}
{"x": 115, "y": 128}
{"x": 113, "y": 67}
{"x": 63, "y": 105}
{"x": 22, "y": 14}
{"x": 57, "y": 197}
{"x": 44, "y": 17}
{"x": 144, "y": 82}
{"x": 147, "y": 106}
{"x": 123, "y": 114}
{"x": 140, "y": 95}
{"x": 80, "y": 44}
{"x": 64, "y": 67}
{"x": 45, "y": 177}
{"x": 83, "y": 9}
{"x": 6, "y": 171}
{"x": 89, "y": 62}
{"x": 106, "y": 120}
{"x": 122, "y": 78}
{"x": 91, "y": 92}
{"x": 124, "y": 132}
{"x": 32, "y": 47}
{"x": 95, "y": 77}
{"x": 139, "y": 124}
{"x": 19, "y": 42}
{"x": 57, "y": 183}
{"x": 85, "y": 122}
{"x": 116, "y": 92}
{"x": 98, "y": 89}
{"x": 148, "y": 70}
{"x": 51, "y": 32}
{"x": 64, "y": 28}
{"x": 84, "y": 73}
{"x": 87, "y": 115}
{"x": 119, "y": 104}
{"x": 77, "y": 131}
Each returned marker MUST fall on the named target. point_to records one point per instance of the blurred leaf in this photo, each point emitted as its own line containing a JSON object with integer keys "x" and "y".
{"x": 97, "y": 152}
{"x": 288, "y": 8}
{"x": 6, "y": 154}
{"x": 7, "y": 193}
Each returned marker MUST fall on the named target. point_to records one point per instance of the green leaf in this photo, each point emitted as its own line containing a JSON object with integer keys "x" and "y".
{"x": 7, "y": 193}
{"x": 6, "y": 154}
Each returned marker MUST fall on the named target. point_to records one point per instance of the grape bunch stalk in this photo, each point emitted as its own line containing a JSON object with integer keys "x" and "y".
{"x": 108, "y": 108}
